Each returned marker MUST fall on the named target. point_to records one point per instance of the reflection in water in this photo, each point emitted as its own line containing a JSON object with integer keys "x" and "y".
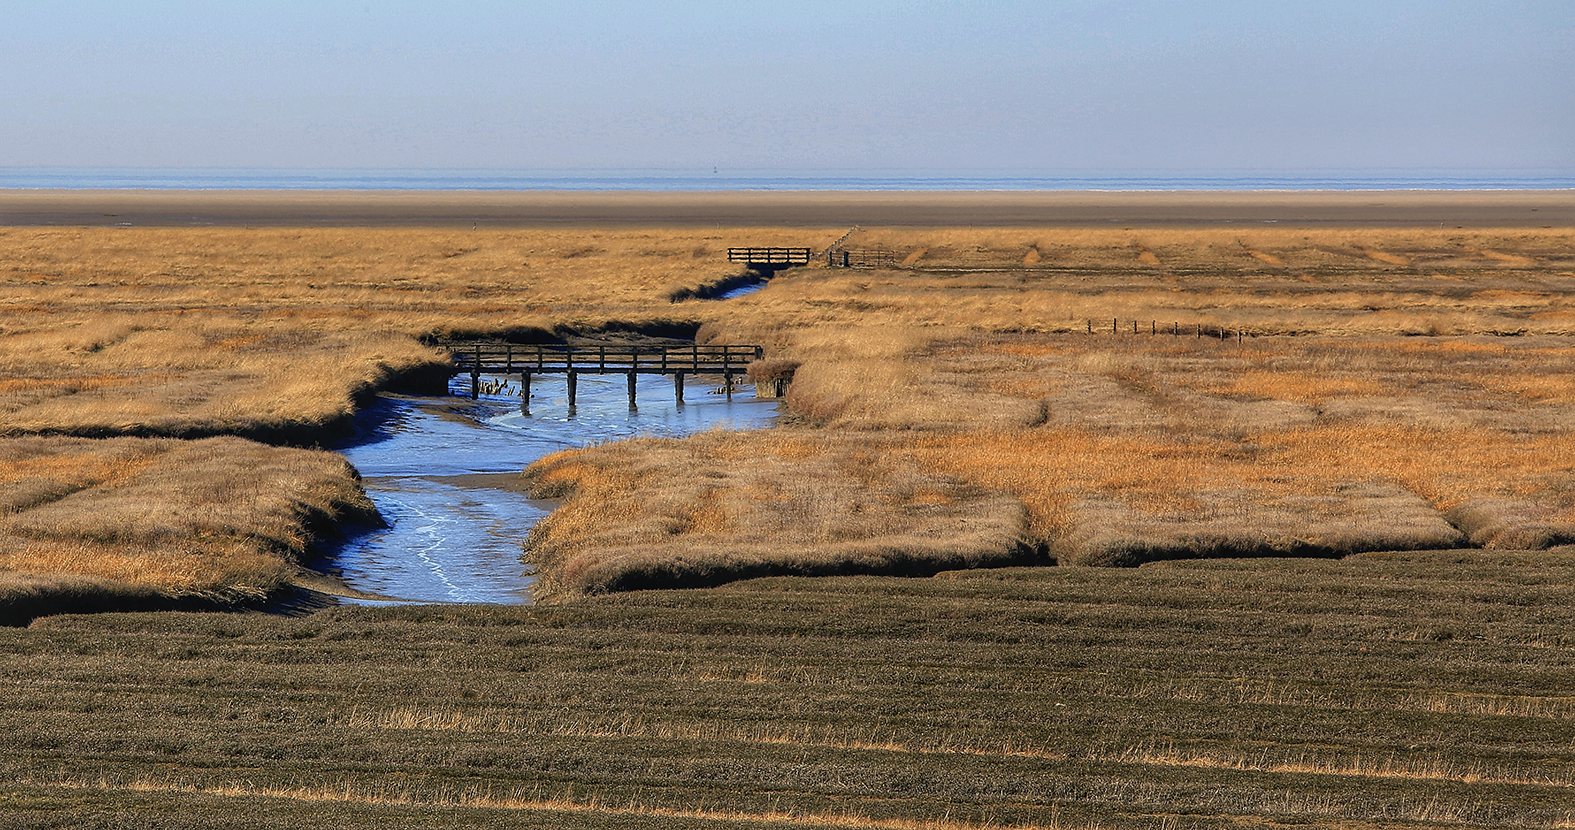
{"x": 442, "y": 472}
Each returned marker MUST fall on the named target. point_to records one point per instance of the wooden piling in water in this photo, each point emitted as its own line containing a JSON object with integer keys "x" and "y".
{"x": 525, "y": 393}
{"x": 574, "y": 379}
{"x": 632, "y": 407}
{"x": 678, "y": 387}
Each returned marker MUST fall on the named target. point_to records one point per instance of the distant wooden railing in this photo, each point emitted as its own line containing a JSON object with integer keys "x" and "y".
{"x": 770, "y": 256}
{"x": 1175, "y": 329}
{"x": 861, "y": 258}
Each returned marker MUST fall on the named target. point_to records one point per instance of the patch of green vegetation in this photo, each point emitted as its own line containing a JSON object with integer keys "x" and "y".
{"x": 1403, "y": 690}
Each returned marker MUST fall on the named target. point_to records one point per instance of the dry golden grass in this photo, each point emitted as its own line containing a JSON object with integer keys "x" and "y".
{"x": 1370, "y": 405}
{"x": 723, "y": 506}
{"x": 219, "y": 516}
{"x": 275, "y": 332}
{"x": 1355, "y": 434}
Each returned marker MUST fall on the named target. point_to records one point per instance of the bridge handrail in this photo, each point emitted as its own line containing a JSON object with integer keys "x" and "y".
{"x": 770, "y": 255}
{"x": 467, "y": 355}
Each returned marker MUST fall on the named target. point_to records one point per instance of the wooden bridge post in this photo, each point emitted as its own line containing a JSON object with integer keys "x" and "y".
{"x": 475, "y": 375}
{"x": 634, "y": 369}
{"x": 574, "y": 380}
{"x": 524, "y": 393}
{"x": 678, "y": 387}
{"x": 727, "y": 372}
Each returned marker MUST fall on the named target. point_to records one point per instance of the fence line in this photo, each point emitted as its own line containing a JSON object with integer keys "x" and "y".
{"x": 1196, "y": 330}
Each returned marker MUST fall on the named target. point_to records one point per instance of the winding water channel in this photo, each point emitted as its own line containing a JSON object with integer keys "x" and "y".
{"x": 444, "y": 472}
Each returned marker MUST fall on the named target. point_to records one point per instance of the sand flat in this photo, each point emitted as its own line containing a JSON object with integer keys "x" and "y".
{"x": 541, "y": 209}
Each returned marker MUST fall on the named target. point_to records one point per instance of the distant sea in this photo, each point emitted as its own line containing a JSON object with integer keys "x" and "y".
{"x": 137, "y": 178}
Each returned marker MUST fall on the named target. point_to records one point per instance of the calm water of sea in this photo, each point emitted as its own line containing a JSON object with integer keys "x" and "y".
{"x": 76, "y": 178}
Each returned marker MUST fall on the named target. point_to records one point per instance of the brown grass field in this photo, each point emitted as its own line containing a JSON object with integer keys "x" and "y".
{"x": 1364, "y": 421}
{"x": 989, "y": 402}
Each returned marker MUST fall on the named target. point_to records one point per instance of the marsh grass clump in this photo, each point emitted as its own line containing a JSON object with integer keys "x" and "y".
{"x": 725, "y": 506}
{"x": 168, "y": 516}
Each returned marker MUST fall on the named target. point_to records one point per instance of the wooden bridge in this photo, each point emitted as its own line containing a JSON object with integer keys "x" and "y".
{"x": 770, "y": 258}
{"x": 505, "y": 359}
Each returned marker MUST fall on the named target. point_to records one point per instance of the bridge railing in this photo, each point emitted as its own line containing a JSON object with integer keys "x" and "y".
{"x": 509, "y": 358}
{"x": 770, "y": 256}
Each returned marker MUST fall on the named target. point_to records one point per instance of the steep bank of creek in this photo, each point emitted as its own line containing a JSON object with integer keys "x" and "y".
{"x": 444, "y": 472}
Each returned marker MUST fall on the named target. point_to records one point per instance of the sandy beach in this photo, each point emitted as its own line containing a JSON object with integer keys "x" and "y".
{"x": 543, "y": 209}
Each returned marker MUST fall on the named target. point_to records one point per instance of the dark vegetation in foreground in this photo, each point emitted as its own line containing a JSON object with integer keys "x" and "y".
{"x": 1394, "y": 690}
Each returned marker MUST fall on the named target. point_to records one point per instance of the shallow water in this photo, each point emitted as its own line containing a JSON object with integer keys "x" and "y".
{"x": 440, "y": 471}
{"x": 742, "y": 290}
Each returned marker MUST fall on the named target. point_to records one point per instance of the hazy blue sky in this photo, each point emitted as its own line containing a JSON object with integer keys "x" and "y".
{"x": 1080, "y": 84}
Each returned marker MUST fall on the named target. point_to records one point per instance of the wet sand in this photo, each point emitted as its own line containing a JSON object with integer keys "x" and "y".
{"x": 545, "y": 209}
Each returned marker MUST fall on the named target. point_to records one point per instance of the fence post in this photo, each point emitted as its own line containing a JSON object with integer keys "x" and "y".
{"x": 1113, "y": 328}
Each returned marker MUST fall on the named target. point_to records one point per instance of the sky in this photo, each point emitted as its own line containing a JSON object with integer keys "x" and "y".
{"x": 1189, "y": 85}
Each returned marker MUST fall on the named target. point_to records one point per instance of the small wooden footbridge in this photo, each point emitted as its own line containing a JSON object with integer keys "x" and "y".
{"x": 509, "y": 359}
{"x": 768, "y": 261}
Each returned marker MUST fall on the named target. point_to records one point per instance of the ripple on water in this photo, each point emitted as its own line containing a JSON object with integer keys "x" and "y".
{"x": 433, "y": 465}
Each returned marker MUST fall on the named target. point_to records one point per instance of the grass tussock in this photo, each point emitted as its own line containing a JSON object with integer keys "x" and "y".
{"x": 165, "y": 515}
{"x": 664, "y": 513}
